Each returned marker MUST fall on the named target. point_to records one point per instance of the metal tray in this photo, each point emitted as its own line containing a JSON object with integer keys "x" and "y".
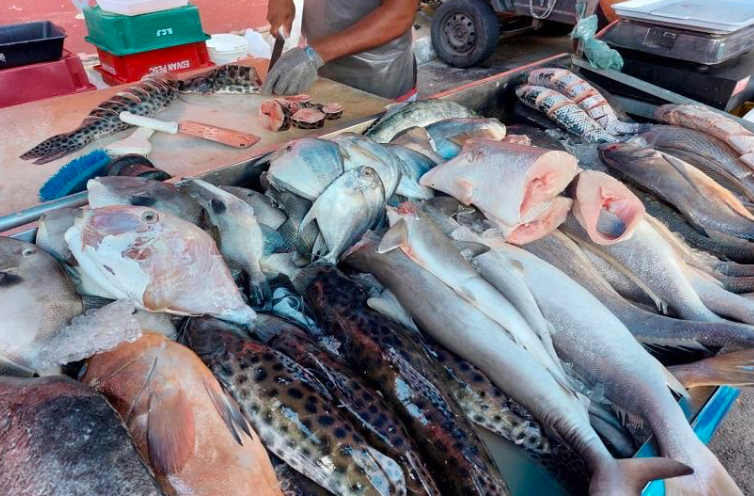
{"x": 708, "y": 16}
{"x": 491, "y": 97}
{"x": 679, "y": 44}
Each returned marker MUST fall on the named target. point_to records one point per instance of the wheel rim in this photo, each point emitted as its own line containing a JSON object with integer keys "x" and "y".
{"x": 459, "y": 32}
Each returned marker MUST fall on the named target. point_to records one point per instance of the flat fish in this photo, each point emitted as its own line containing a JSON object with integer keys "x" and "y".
{"x": 295, "y": 416}
{"x": 184, "y": 424}
{"x": 56, "y": 436}
{"x": 267, "y": 213}
{"x": 586, "y": 96}
{"x": 158, "y": 261}
{"x": 420, "y": 113}
{"x": 413, "y": 166}
{"x": 360, "y": 151}
{"x": 531, "y": 175}
{"x": 457, "y": 457}
{"x": 449, "y": 135}
{"x": 147, "y": 98}
{"x": 565, "y": 112}
{"x": 305, "y": 167}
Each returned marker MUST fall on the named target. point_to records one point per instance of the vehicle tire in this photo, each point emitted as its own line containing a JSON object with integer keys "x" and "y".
{"x": 465, "y": 32}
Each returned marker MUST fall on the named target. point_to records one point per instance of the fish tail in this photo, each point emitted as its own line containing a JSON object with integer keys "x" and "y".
{"x": 709, "y": 478}
{"x": 734, "y": 369}
{"x": 720, "y": 301}
{"x": 738, "y": 285}
{"x": 628, "y": 477}
{"x": 259, "y": 289}
{"x": 59, "y": 146}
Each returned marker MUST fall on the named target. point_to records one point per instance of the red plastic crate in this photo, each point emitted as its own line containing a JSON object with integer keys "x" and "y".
{"x": 128, "y": 68}
{"x": 44, "y": 80}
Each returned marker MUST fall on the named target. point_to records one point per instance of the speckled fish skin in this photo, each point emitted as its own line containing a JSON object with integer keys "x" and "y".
{"x": 419, "y": 113}
{"x": 487, "y": 406}
{"x": 564, "y": 112}
{"x": 293, "y": 413}
{"x": 231, "y": 78}
{"x": 368, "y": 413}
{"x": 147, "y": 98}
{"x": 457, "y": 457}
{"x": 61, "y": 438}
{"x": 586, "y": 96}
{"x": 294, "y": 483}
{"x": 158, "y": 261}
{"x": 140, "y": 192}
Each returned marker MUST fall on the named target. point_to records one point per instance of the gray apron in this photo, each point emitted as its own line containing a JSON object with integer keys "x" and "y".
{"x": 387, "y": 71}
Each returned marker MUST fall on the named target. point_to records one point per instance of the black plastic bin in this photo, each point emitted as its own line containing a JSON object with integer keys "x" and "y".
{"x": 30, "y": 43}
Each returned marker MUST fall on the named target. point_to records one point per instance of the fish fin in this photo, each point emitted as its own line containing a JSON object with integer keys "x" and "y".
{"x": 228, "y": 410}
{"x": 92, "y": 302}
{"x": 266, "y": 327}
{"x": 259, "y": 288}
{"x": 467, "y": 191}
{"x": 733, "y": 369}
{"x": 396, "y": 237}
{"x": 470, "y": 249}
{"x": 679, "y": 344}
{"x": 320, "y": 248}
{"x": 170, "y": 431}
{"x": 629, "y": 476}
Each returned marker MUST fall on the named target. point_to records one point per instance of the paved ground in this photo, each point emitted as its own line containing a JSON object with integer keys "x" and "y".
{"x": 733, "y": 443}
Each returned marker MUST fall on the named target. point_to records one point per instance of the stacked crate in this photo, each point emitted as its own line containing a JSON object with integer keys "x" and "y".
{"x": 131, "y": 47}
{"x": 34, "y": 65}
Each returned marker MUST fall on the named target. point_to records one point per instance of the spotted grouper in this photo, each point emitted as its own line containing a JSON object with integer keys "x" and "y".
{"x": 295, "y": 416}
{"x": 457, "y": 457}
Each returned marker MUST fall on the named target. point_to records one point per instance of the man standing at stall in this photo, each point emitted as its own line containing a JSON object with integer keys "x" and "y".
{"x": 365, "y": 44}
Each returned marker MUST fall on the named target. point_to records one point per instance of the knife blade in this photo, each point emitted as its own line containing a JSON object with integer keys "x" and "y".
{"x": 217, "y": 134}
{"x": 277, "y": 51}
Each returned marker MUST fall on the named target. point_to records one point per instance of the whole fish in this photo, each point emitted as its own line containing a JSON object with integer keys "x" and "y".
{"x": 140, "y": 192}
{"x": 293, "y": 413}
{"x": 419, "y": 140}
{"x": 717, "y": 124}
{"x": 704, "y": 203}
{"x": 446, "y": 316}
{"x": 241, "y": 240}
{"x": 414, "y": 233}
{"x": 230, "y": 78}
{"x": 536, "y": 136}
{"x": 603, "y": 352}
{"x": 449, "y": 135}
{"x": 36, "y": 300}
{"x": 350, "y": 206}
{"x": 147, "y": 98}
{"x": 648, "y": 327}
{"x": 456, "y": 456}
{"x": 358, "y": 402}
{"x": 705, "y": 152}
{"x": 158, "y": 261}
{"x": 360, "y": 151}
{"x": 413, "y": 166}
{"x": 267, "y": 213}
{"x": 564, "y": 112}
{"x": 420, "y": 113}
{"x": 586, "y": 96}
{"x": 68, "y": 430}
{"x": 720, "y": 245}
{"x": 531, "y": 175}
{"x": 183, "y": 423}
{"x": 595, "y": 192}
{"x": 305, "y": 167}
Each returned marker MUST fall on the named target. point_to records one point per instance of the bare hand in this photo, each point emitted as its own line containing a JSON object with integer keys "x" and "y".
{"x": 280, "y": 13}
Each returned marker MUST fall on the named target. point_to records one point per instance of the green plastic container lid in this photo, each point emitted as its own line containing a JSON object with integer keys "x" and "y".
{"x": 125, "y": 35}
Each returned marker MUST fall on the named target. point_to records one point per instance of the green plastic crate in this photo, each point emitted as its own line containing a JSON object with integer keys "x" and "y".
{"x": 125, "y": 35}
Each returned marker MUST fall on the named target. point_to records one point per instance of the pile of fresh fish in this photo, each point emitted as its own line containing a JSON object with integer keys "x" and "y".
{"x": 351, "y": 324}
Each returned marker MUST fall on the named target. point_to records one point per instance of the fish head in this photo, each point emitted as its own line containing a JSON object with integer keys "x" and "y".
{"x": 125, "y": 190}
{"x": 51, "y": 232}
{"x": 20, "y": 260}
{"x": 134, "y": 226}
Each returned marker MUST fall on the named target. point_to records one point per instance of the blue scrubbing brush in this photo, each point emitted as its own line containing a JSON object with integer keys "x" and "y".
{"x": 72, "y": 177}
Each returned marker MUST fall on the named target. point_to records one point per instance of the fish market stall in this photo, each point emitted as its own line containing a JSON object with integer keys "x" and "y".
{"x": 29, "y": 124}
{"x": 322, "y": 198}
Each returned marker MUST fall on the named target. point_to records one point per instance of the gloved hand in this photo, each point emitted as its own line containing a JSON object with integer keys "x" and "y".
{"x": 294, "y": 72}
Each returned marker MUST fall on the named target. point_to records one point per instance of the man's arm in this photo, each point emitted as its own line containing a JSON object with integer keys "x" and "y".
{"x": 384, "y": 24}
{"x": 280, "y": 14}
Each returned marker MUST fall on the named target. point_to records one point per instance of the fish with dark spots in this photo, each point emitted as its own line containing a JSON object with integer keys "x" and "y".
{"x": 277, "y": 396}
{"x": 410, "y": 383}
{"x": 59, "y": 437}
{"x": 487, "y": 406}
{"x": 359, "y": 403}
{"x": 293, "y": 483}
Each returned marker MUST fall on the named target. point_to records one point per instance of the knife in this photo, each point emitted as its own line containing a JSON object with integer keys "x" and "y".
{"x": 228, "y": 137}
{"x": 277, "y": 51}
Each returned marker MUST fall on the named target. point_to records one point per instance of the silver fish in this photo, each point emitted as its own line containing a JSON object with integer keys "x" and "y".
{"x": 359, "y": 151}
{"x": 241, "y": 238}
{"x": 419, "y": 140}
{"x": 449, "y": 135}
{"x": 350, "y": 206}
{"x": 305, "y": 166}
{"x": 419, "y": 113}
{"x": 564, "y": 112}
{"x": 413, "y": 166}
{"x": 266, "y": 212}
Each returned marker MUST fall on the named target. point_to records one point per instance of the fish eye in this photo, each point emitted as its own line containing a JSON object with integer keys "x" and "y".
{"x": 28, "y": 252}
{"x": 150, "y": 217}
{"x": 368, "y": 172}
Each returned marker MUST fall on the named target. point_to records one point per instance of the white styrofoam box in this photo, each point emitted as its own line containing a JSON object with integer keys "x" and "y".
{"x": 138, "y": 7}
{"x": 711, "y": 16}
